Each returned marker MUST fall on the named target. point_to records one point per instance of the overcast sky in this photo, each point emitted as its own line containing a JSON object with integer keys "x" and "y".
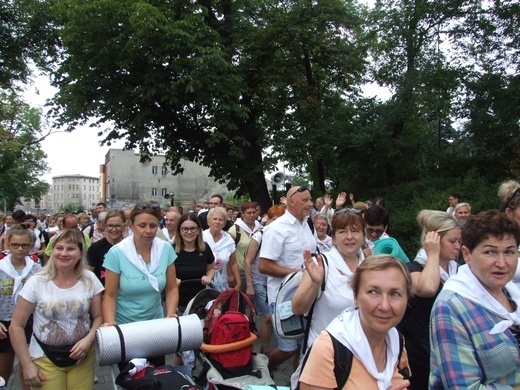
{"x": 73, "y": 153}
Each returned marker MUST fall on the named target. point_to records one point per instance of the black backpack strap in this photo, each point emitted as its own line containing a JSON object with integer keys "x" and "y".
{"x": 237, "y": 234}
{"x": 405, "y": 372}
{"x": 342, "y": 362}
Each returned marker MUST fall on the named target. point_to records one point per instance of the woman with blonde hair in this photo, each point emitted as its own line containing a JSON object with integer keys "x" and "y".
{"x": 382, "y": 287}
{"x": 462, "y": 213}
{"x": 223, "y": 247}
{"x": 60, "y": 297}
{"x": 434, "y": 264}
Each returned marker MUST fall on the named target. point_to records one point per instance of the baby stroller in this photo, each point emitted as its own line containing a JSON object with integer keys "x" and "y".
{"x": 225, "y": 320}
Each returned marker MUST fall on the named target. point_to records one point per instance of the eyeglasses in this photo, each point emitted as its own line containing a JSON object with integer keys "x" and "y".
{"x": 376, "y": 231}
{"x": 300, "y": 189}
{"x": 189, "y": 229}
{"x": 114, "y": 227}
{"x": 15, "y": 245}
{"x": 347, "y": 210}
{"x": 515, "y": 194}
{"x": 145, "y": 206}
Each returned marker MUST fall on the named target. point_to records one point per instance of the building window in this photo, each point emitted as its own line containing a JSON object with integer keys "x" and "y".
{"x": 154, "y": 170}
{"x": 154, "y": 191}
{"x": 164, "y": 171}
{"x": 163, "y": 191}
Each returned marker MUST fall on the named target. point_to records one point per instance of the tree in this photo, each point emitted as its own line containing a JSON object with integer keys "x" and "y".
{"x": 26, "y": 36}
{"x": 208, "y": 81}
{"x": 22, "y": 161}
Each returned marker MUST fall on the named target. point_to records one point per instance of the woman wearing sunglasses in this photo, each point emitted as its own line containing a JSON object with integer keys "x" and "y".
{"x": 15, "y": 269}
{"x": 114, "y": 226}
{"x": 195, "y": 261}
{"x": 137, "y": 270}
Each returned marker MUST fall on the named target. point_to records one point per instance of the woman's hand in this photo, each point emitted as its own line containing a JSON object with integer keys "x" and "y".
{"x": 32, "y": 375}
{"x": 3, "y": 331}
{"x": 432, "y": 244}
{"x": 205, "y": 280}
{"x": 314, "y": 267}
{"x": 367, "y": 252}
{"x": 80, "y": 350}
{"x": 341, "y": 199}
{"x": 218, "y": 264}
{"x": 250, "y": 291}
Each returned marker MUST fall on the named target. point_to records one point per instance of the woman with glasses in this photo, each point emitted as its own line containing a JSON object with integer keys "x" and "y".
{"x": 137, "y": 271}
{"x": 348, "y": 236}
{"x": 115, "y": 223}
{"x": 195, "y": 260}
{"x": 321, "y": 226}
{"x": 223, "y": 247}
{"x": 433, "y": 266}
{"x": 15, "y": 269}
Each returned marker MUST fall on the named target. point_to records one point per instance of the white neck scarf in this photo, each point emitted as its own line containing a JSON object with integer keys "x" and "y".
{"x": 127, "y": 246}
{"x": 346, "y": 328}
{"x": 452, "y": 265}
{"x": 243, "y": 225}
{"x": 339, "y": 262}
{"x": 6, "y": 265}
{"x": 167, "y": 235}
{"x": 468, "y": 286}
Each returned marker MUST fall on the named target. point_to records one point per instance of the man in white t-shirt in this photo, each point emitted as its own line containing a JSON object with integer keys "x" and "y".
{"x": 282, "y": 249}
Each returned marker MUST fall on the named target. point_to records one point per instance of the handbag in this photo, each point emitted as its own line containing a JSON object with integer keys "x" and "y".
{"x": 58, "y": 354}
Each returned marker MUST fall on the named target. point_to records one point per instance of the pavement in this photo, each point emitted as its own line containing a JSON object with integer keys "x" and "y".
{"x": 106, "y": 374}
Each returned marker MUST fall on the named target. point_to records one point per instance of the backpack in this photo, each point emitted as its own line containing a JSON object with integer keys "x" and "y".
{"x": 155, "y": 378}
{"x": 229, "y": 334}
{"x": 343, "y": 362}
{"x": 287, "y": 324}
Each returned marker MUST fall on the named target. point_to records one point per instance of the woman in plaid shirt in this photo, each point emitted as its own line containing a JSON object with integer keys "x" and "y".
{"x": 475, "y": 322}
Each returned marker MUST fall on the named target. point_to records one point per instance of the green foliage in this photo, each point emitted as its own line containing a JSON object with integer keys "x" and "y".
{"x": 72, "y": 208}
{"x": 22, "y": 161}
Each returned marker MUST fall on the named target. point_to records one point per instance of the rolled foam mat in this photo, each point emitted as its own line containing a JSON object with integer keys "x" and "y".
{"x": 163, "y": 336}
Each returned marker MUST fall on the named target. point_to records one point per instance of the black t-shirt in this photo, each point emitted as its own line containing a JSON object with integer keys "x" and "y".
{"x": 192, "y": 265}
{"x": 96, "y": 255}
{"x": 415, "y": 329}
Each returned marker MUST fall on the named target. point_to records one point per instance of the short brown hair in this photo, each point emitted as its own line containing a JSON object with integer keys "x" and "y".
{"x": 341, "y": 221}
{"x": 488, "y": 223}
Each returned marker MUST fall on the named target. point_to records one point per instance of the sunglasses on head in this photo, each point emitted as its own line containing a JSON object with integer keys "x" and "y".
{"x": 300, "y": 189}
{"x": 347, "y": 210}
{"x": 515, "y": 194}
{"x": 147, "y": 206}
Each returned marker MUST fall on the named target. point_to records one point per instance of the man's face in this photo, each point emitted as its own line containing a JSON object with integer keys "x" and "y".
{"x": 70, "y": 223}
{"x": 214, "y": 202}
{"x": 170, "y": 221}
{"x": 300, "y": 204}
{"x": 100, "y": 208}
{"x": 319, "y": 205}
{"x": 453, "y": 201}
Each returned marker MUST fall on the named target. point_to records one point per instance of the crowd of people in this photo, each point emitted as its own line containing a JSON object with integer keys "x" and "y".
{"x": 448, "y": 319}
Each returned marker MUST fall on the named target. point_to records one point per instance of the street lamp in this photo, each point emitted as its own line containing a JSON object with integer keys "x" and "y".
{"x": 169, "y": 196}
